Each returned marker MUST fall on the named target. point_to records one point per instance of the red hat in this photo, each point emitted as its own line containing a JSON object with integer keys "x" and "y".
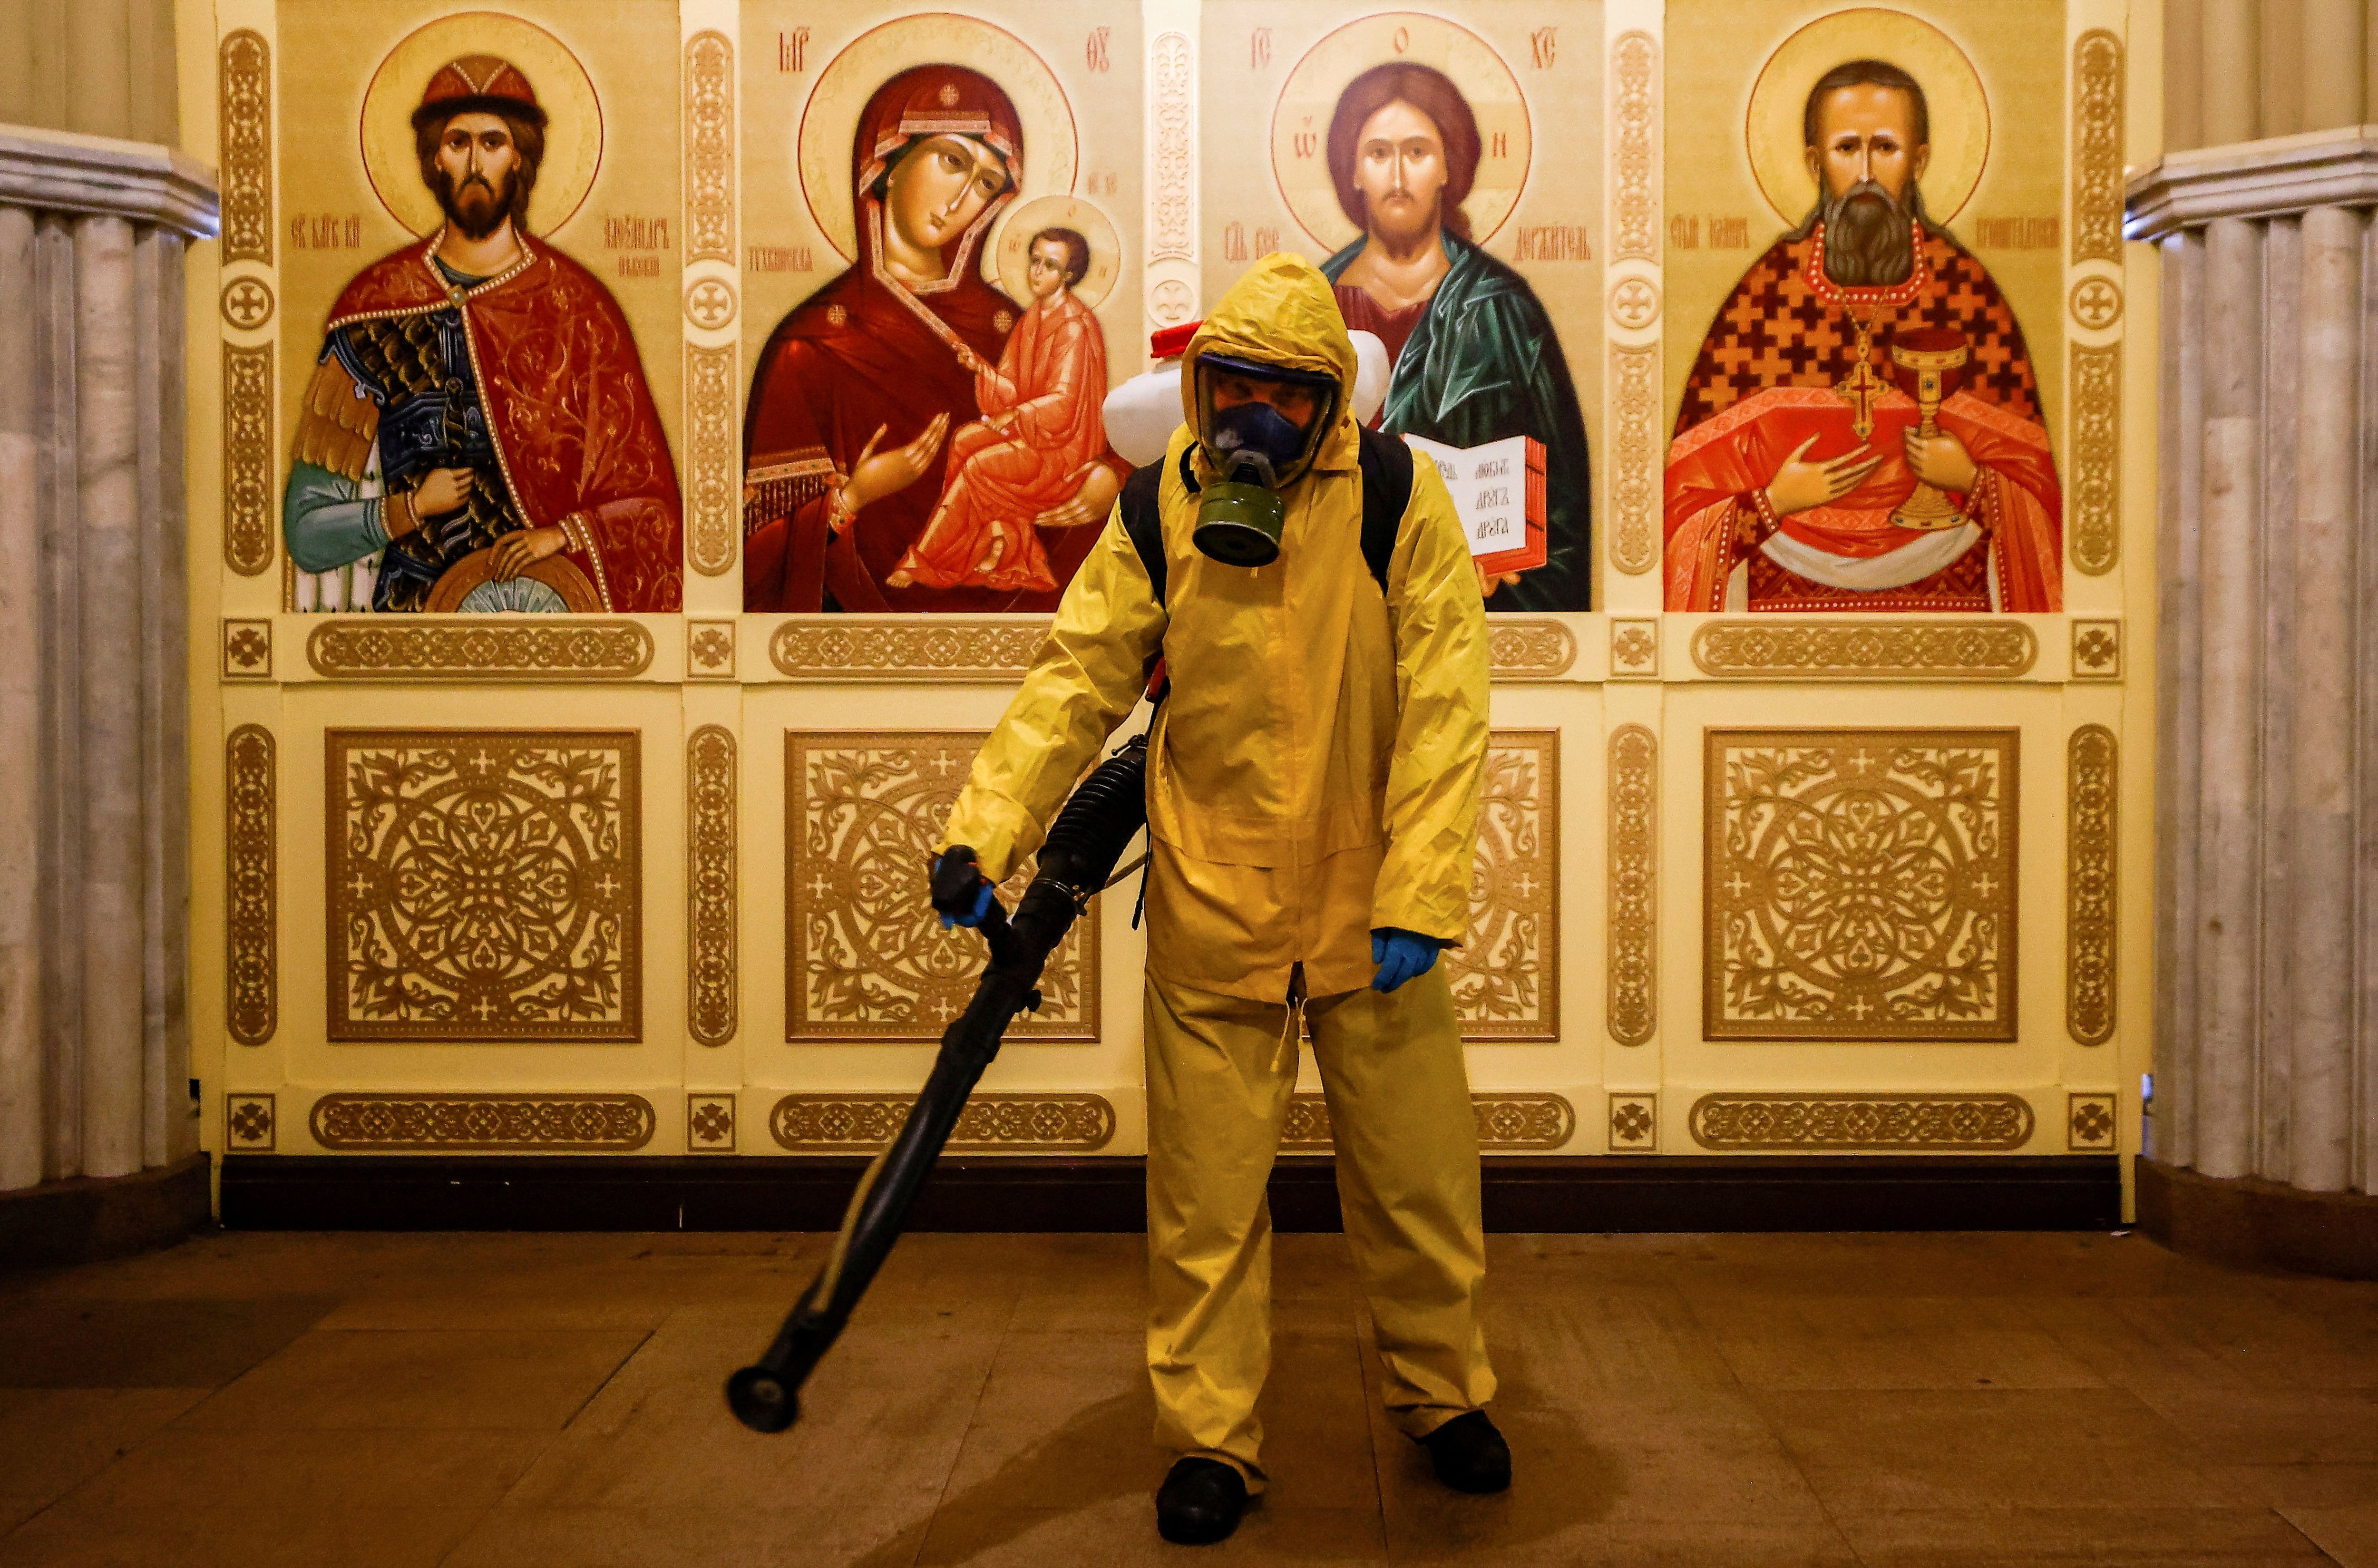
{"x": 478, "y": 84}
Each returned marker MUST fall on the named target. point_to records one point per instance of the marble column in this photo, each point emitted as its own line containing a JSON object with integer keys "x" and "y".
{"x": 94, "y": 761}
{"x": 2267, "y": 1054}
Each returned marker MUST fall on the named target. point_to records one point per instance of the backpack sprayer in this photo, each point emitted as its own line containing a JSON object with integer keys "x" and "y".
{"x": 1077, "y": 862}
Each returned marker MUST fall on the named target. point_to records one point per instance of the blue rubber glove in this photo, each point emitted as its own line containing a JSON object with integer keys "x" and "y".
{"x": 960, "y": 891}
{"x": 1401, "y": 955}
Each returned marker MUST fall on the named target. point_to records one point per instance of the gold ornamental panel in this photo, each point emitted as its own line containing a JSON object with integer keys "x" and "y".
{"x": 244, "y": 109}
{"x": 829, "y": 1124}
{"x": 248, "y": 1124}
{"x": 1506, "y": 976}
{"x": 2096, "y": 461}
{"x": 1635, "y": 1123}
{"x": 2098, "y": 147}
{"x": 251, "y": 885}
{"x": 907, "y": 647}
{"x": 247, "y": 458}
{"x": 2090, "y": 1126}
{"x": 712, "y": 488}
{"x": 1634, "y": 856}
{"x": 709, "y": 148}
{"x": 1859, "y": 885}
{"x": 1771, "y": 648}
{"x": 547, "y": 1123}
{"x": 1506, "y": 1123}
{"x": 475, "y": 648}
{"x": 865, "y": 957}
{"x": 1635, "y": 163}
{"x": 483, "y": 885}
{"x": 1943, "y": 1123}
{"x": 1637, "y": 449}
{"x": 2092, "y": 863}
{"x": 1529, "y": 650}
{"x": 710, "y": 882}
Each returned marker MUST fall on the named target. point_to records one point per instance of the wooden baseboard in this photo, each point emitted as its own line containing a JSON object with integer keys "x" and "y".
{"x": 1540, "y": 1194}
{"x": 86, "y": 1219}
{"x": 2255, "y": 1223}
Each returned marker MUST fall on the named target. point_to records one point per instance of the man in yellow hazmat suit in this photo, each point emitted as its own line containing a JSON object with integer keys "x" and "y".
{"x": 1313, "y": 793}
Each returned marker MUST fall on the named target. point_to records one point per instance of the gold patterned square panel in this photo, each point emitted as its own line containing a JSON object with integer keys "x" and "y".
{"x": 247, "y": 649}
{"x": 1634, "y": 1124}
{"x": 2096, "y": 650}
{"x": 247, "y": 1124}
{"x": 1634, "y": 650}
{"x": 710, "y": 1124}
{"x": 709, "y": 650}
{"x": 1859, "y": 884}
{"x": 865, "y": 959}
{"x": 483, "y": 885}
{"x": 2089, "y": 1126}
{"x": 1506, "y": 976}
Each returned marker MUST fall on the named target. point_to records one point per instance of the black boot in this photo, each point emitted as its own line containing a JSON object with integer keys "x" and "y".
{"x": 1199, "y": 1502}
{"x": 1470, "y": 1455}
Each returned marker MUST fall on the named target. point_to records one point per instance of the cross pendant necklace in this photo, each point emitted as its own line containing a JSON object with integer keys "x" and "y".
{"x": 1861, "y": 386}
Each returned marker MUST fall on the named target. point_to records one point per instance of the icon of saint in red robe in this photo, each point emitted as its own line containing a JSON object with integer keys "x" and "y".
{"x": 1803, "y": 474}
{"x": 478, "y": 435}
{"x": 847, "y": 438}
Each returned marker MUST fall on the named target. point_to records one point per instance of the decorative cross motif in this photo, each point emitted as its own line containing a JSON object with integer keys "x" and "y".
{"x": 1861, "y": 386}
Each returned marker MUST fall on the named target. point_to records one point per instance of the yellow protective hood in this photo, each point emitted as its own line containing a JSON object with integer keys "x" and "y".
{"x": 1279, "y": 311}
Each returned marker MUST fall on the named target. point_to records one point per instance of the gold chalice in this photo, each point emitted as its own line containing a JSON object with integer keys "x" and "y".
{"x": 1925, "y": 364}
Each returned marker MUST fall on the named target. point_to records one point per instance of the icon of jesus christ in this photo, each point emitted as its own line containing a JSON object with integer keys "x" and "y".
{"x": 1042, "y": 430}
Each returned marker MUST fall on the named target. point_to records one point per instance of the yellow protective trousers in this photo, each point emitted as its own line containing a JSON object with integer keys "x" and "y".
{"x": 1219, "y": 1073}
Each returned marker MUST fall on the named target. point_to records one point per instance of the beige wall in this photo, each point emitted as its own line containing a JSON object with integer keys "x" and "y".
{"x": 2240, "y": 70}
{"x": 104, "y": 67}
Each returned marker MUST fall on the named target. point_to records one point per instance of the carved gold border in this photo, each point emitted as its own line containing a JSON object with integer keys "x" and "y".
{"x": 710, "y": 488}
{"x": 910, "y": 647}
{"x": 247, "y": 458}
{"x": 1634, "y": 849}
{"x": 2097, "y": 465}
{"x": 710, "y": 852}
{"x": 1172, "y": 104}
{"x": 709, "y": 148}
{"x": 1728, "y": 1122}
{"x": 478, "y": 647}
{"x": 251, "y": 885}
{"x": 2098, "y": 147}
{"x": 1529, "y": 650}
{"x": 604, "y": 1123}
{"x": 1517, "y": 875}
{"x": 243, "y": 112}
{"x": 1772, "y": 648}
{"x": 1635, "y": 469}
{"x": 1635, "y": 155}
{"x": 834, "y": 1123}
{"x": 1506, "y": 1123}
{"x": 2092, "y": 882}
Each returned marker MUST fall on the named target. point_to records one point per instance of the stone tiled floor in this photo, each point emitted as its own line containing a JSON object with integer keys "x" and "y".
{"x": 518, "y": 1401}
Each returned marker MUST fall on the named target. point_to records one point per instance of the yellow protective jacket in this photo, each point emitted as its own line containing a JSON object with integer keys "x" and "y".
{"x": 1316, "y": 772}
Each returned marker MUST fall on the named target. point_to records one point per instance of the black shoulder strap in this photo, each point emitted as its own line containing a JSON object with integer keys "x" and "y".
{"x": 1143, "y": 519}
{"x": 1387, "y": 491}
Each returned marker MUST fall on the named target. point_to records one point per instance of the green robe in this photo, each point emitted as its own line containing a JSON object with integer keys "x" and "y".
{"x": 1482, "y": 365}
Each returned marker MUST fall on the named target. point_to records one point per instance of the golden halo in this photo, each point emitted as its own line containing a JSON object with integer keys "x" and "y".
{"x": 1300, "y": 121}
{"x": 1952, "y": 93}
{"x": 1051, "y": 151}
{"x": 573, "y": 129}
{"x": 1011, "y": 245}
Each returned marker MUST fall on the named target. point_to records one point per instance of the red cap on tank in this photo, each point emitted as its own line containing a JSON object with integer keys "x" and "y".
{"x": 1172, "y": 342}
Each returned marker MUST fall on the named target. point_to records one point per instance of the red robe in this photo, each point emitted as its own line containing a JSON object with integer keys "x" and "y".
{"x": 1051, "y": 381}
{"x": 1764, "y": 383}
{"x": 572, "y": 420}
{"x": 868, "y": 353}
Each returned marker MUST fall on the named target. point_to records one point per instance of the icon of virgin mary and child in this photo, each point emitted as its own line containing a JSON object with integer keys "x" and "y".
{"x": 858, "y": 496}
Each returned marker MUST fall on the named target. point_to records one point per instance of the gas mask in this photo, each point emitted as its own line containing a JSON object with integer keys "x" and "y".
{"x": 1257, "y": 451}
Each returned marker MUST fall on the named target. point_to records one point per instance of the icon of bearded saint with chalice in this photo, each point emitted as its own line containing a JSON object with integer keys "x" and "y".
{"x": 478, "y": 435}
{"x": 1862, "y": 428}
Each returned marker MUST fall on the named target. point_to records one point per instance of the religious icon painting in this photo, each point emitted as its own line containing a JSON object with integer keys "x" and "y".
{"x": 942, "y": 243}
{"x": 474, "y": 428}
{"x": 1440, "y": 169}
{"x": 1863, "y": 220}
